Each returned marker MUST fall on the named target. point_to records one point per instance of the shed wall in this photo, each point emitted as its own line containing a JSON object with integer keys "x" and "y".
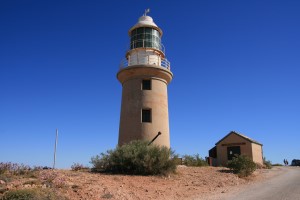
{"x": 257, "y": 153}
{"x": 232, "y": 140}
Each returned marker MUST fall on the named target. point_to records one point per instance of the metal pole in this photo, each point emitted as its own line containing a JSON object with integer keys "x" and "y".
{"x": 55, "y": 145}
{"x": 158, "y": 134}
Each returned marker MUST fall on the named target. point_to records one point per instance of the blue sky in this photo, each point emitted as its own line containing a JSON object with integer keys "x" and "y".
{"x": 236, "y": 66}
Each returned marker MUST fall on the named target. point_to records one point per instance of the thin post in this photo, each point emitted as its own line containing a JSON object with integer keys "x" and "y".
{"x": 55, "y": 145}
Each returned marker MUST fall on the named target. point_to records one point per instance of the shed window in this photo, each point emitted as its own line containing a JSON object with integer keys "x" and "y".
{"x": 146, "y": 84}
{"x": 146, "y": 115}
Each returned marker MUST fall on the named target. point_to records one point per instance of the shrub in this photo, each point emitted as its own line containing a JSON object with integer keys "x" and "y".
{"x": 177, "y": 160}
{"x": 107, "y": 196}
{"x": 195, "y": 160}
{"x": 277, "y": 165}
{"x": 19, "y": 195}
{"x": 77, "y": 167}
{"x": 260, "y": 166}
{"x": 136, "y": 157}
{"x": 13, "y": 168}
{"x": 31, "y": 194}
{"x": 267, "y": 163}
{"x": 242, "y": 165}
{"x": 37, "y": 168}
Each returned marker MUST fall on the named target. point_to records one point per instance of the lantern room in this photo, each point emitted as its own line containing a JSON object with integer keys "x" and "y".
{"x": 145, "y": 44}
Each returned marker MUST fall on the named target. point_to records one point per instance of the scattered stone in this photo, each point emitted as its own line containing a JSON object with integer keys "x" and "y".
{"x": 187, "y": 183}
{"x": 2, "y": 182}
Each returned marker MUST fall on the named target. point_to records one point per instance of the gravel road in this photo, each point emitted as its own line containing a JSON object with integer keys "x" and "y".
{"x": 285, "y": 185}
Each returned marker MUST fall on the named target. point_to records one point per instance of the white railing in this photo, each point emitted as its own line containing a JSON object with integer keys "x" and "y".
{"x": 163, "y": 63}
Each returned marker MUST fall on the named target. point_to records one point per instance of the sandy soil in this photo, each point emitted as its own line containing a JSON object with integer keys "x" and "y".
{"x": 188, "y": 183}
{"x": 281, "y": 183}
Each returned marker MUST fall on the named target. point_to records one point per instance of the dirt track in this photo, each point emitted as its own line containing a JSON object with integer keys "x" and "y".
{"x": 281, "y": 183}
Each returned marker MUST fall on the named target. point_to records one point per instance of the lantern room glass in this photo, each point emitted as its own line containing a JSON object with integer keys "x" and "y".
{"x": 145, "y": 37}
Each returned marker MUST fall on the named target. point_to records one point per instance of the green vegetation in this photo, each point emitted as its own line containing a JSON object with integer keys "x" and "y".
{"x": 195, "y": 161}
{"x": 19, "y": 195}
{"x": 10, "y": 172}
{"x": 136, "y": 157}
{"x": 277, "y": 164}
{"x": 78, "y": 167}
{"x": 107, "y": 196}
{"x": 14, "y": 168}
{"x": 31, "y": 194}
{"x": 267, "y": 163}
{"x": 242, "y": 165}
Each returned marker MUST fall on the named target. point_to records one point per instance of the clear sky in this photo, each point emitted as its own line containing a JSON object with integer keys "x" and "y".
{"x": 236, "y": 66}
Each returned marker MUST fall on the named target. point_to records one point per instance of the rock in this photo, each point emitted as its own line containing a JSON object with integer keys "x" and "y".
{"x": 2, "y": 182}
{"x": 221, "y": 184}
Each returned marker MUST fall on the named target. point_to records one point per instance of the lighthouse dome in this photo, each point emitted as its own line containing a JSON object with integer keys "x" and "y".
{"x": 145, "y": 21}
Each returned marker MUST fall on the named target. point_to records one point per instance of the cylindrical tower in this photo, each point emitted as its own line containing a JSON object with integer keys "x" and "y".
{"x": 144, "y": 75}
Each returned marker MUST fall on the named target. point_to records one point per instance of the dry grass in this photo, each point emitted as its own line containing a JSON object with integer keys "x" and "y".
{"x": 187, "y": 183}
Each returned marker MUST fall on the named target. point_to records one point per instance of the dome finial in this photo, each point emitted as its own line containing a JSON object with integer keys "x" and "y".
{"x": 146, "y": 11}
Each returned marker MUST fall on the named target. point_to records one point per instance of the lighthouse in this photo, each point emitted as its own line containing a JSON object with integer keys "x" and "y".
{"x": 145, "y": 74}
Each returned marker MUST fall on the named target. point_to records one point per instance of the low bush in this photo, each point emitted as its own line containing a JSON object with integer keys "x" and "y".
{"x": 260, "y": 166}
{"x": 136, "y": 157}
{"x": 242, "y": 165}
{"x": 24, "y": 194}
{"x": 13, "y": 168}
{"x": 195, "y": 160}
{"x": 77, "y": 167}
{"x": 31, "y": 194}
{"x": 267, "y": 163}
{"x": 277, "y": 165}
{"x": 6, "y": 178}
{"x": 177, "y": 160}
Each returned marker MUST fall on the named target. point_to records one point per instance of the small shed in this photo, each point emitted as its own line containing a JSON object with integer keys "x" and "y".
{"x": 235, "y": 144}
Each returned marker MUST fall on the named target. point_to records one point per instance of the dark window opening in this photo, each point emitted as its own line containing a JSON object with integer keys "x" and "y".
{"x": 233, "y": 152}
{"x": 146, "y": 85}
{"x": 146, "y": 115}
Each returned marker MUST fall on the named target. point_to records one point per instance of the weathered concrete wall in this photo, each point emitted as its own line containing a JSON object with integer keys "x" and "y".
{"x": 257, "y": 153}
{"x": 232, "y": 140}
{"x": 134, "y": 99}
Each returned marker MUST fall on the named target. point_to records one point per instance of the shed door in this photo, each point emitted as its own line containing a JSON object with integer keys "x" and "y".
{"x": 231, "y": 151}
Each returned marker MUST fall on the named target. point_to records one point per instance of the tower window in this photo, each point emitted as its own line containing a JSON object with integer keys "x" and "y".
{"x": 146, "y": 85}
{"x": 146, "y": 115}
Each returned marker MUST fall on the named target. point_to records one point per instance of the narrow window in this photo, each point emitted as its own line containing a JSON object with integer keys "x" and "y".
{"x": 146, "y": 85}
{"x": 146, "y": 115}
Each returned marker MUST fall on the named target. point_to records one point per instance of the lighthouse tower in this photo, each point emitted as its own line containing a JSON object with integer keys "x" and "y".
{"x": 144, "y": 75}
